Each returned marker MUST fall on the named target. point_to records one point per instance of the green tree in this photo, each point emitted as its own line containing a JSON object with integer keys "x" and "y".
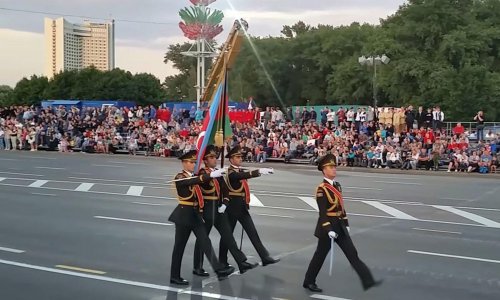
{"x": 5, "y": 95}
{"x": 30, "y": 91}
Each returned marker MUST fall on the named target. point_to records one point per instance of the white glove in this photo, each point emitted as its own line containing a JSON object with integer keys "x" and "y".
{"x": 222, "y": 209}
{"x": 217, "y": 173}
{"x": 348, "y": 229}
{"x": 266, "y": 171}
{"x": 332, "y": 234}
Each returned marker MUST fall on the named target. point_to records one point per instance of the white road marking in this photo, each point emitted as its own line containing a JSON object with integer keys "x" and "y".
{"x": 127, "y": 163}
{"x": 439, "y": 231}
{"x": 470, "y": 216}
{"x": 84, "y": 187}
{"x": 325, "y": 297}
{"x": 38, "y": 183}
{"x": 81, "y": 269}
{"x": 311, "y": 202}
{"x": 94, "y": 192}
{"x": 478, "y": 208}
{"x": 135, "y": 190}
{"x": 108, "y": 166}
{"x": 11, "y": 250}
{"x": 9, "y": 159}
{"x": 390, "y": 210}
{"x": 119, "y": 281}
{"x": 116, "y": 180}
{"x": 151, "y": 204}
{"x": 133, "y": 221}
{"x": 254, "y": 201}
{"x": 278, "y": 216}
{"x": 2, "y": 178}
{"x": 49, "y": 168}
{"x": 454, "y": 199}
{"x": 398, "y": 182}
{"x": 380, "y": 176}
{"x": 27, "y": 174}
{"x": 455, "y": 256}
{"x": 42, "y": 157}
{"x": 42, "y": 194}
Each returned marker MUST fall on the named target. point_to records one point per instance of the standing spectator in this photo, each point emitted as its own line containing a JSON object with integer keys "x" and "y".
{"x": 420, "y": 116}
{"x": 479, "y": 118}
{"x": 324, "y": 118}
{"x": 313, "y": 116}
{"x": 199, "y": 115}
{"x": 437, "y": 118}
{"x": 330, "y": 118}
{"x": 289, "y": 114}
{"x": 298, "y": 116}
{"x": 458, "y": 130}
{"x": 428, "y": 118}
{"x": 305, "y": 116}
{"x": 409, "y": 118}
{"x": 2, "y": 135}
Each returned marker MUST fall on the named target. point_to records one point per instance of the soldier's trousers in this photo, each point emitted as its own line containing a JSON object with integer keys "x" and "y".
{"x": 221, "y": 223}
{"x": 246, "y": 221}
{"x": 345, "y": 243}
{"x": 182, "y": 234}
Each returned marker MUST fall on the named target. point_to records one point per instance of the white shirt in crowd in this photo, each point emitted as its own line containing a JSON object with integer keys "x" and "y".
{"x": 350, "y": 116}
{"x": 362, "y": 116}
{"x": 330, "y": 117}
{"x": 438, "y": 115}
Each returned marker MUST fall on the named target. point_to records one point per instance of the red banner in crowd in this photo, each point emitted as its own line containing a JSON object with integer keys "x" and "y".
{"x": 242, "y": 116}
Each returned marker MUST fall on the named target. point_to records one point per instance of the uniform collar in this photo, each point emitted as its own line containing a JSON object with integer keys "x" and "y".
{"x": 189, "y": 173}
{"x": 331, "y": 182}
{"x": 235, "y": 167}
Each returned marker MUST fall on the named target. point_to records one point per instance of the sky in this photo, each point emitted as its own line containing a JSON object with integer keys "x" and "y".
{"x": 140, "y": 47}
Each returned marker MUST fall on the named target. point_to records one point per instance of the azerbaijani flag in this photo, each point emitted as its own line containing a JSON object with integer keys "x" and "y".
{"x": 216, "y": 119}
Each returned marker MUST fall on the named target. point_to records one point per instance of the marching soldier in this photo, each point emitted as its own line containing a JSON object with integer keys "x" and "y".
{"x": 213, "y": 214}
{"x": 187, "y": 217}
{"x": 333, "y": 224}
{"x": 238, "y": 194}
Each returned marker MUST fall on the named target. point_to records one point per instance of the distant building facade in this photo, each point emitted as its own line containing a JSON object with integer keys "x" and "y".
{"x": 71, "y": 46}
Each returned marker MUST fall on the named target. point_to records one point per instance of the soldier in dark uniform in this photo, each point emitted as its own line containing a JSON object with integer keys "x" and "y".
{"x": 333, "y": 224}
{"x": 187, "y": 217}
{"x": 238, "y": 193}
{"x": 213, "y": 214}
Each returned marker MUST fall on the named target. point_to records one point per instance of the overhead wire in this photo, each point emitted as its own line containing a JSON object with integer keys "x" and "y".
{"x": 85, "y": 17}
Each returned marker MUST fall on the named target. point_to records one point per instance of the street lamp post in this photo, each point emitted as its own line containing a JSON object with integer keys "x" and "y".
{"x": 374, "y": 61}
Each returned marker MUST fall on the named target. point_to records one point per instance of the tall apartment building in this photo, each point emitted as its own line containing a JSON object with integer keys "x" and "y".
{"x": 71, "y": 46}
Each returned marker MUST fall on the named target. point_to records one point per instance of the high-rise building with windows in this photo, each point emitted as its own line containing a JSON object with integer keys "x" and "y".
{"x": 71, "y": 46}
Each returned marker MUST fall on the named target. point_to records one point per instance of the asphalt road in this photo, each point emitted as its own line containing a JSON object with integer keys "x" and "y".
{"x": 79, "y": 226}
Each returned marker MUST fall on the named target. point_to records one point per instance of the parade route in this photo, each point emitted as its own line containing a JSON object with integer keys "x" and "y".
{"x": 79, "y": 226}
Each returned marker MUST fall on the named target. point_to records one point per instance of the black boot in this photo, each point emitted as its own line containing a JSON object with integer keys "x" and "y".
{"x": 312, "y": 287}
{"x": 200, "y": 272}
{"x": 269, "y": 261}
{"x": 372, "y": 284}
{"x": 223, "y": 273}
{"x": 245, "y": 266}
{"x": 179, "y": 281}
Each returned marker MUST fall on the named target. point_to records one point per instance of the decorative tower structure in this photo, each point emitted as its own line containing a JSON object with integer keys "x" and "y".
{"x": 200, "y": 24}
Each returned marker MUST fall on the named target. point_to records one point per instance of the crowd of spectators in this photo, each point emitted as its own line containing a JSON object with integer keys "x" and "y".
{"x": 401, "y": 138}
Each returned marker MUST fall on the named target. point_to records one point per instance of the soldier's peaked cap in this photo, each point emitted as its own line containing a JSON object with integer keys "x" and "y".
{"x": 190, "y": 156}
{"x": 327, "y": 160}
{"x": 211, "y": 150}
{"x": 236, "y": 151}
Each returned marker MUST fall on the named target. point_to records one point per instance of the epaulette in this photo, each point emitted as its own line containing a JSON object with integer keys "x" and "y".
{"x": 180, "y": 175}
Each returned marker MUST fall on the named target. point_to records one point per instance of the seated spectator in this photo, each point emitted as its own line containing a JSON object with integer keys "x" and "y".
{"x": 494, "y": 164}
{"x": 485, "y": 162}
{"x": 393, "y": 160}
{"x": 423, "y": 160}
